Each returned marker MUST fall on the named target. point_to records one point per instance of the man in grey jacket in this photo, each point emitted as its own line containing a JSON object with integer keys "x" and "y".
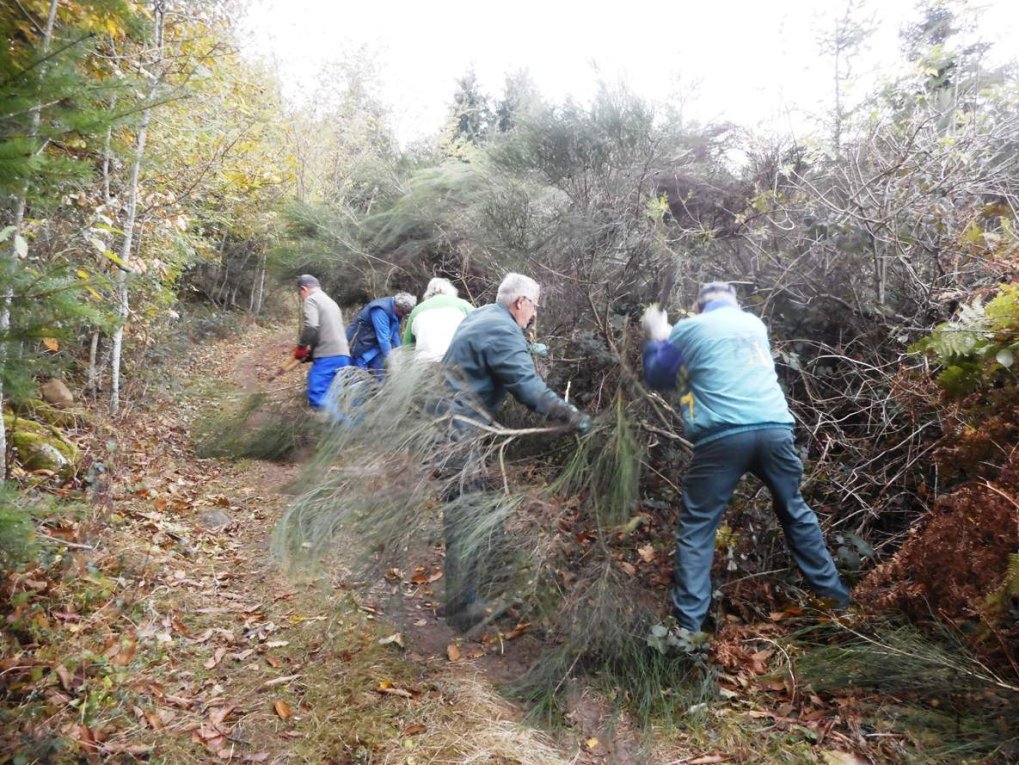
{"x": 323, "y": 341}
{"x": 487, "y": 359}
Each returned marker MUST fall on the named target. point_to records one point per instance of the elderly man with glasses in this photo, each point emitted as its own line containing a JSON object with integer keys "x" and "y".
{"x": 488, "y": 358}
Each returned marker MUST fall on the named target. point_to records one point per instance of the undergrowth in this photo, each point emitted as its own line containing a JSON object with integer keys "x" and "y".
{"x": 384, "y": 478}
{"x": 256, "y": 427}
{"x": 17, "y": 529}
{"x": 952, "y": 707}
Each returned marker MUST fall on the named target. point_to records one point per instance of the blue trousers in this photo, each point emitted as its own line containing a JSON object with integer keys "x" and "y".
{"x": 320, "y": 377}
{"x": 707, "y": 488}
{"x": 376, "y": 365}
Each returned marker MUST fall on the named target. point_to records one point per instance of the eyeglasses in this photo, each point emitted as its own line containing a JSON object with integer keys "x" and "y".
{"x": 532, "y": 302}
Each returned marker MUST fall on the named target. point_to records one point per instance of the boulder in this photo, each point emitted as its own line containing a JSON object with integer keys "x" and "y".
{"x": 214, "y": 520}
{"x": 56, "y": 393}
{"x": 41, "y": 447}
{"x": 37, "y": 409}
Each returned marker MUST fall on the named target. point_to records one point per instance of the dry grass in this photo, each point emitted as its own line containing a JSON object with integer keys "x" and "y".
{"x": 472, "y": 726}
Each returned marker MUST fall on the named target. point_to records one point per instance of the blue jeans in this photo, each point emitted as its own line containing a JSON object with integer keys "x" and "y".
{"x": 320, "y": 377}
{"x": 707, "y": 488}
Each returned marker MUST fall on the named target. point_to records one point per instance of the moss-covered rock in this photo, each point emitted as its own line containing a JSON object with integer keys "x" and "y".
{"x": 37, "y": 409}
{"x": 41, "y": 447}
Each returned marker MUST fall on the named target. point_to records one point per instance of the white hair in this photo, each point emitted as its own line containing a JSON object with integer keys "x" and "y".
{"x": 440, "y": 286}
{"x": 404, "y": 301}
{"x": 516, "y": 286}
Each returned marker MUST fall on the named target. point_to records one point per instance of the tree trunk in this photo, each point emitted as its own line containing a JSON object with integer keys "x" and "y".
{"x": 259, "y": 292}
{"x": 93, "y": 376}
{"x": 93, "y": 372}
{"x": 20, "y": 204}
{"x": 129, "y": 221}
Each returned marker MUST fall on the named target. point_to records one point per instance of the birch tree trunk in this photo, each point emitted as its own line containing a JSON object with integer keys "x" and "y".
{"x": 123, "y": 305}
{"x": 259, "y": 290}
{"x": 92, "y": 385}
{"x": 17, "y": 241}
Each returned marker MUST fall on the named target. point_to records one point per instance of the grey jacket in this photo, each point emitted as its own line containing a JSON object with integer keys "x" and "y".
{"x": 323, "y": 330}
{"x": 488, "y": 358}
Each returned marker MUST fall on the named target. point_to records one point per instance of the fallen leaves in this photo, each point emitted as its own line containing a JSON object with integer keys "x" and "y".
{"x": 215, "y": 659}
{"x": 394, "y": 639}
{"x": 280, "y": 681}
{"x": 517, "y": 631}
{"x": 423, "y": 576}
{"x": 837, "y": 757}
{"x": 282, "y": 709}
{"x": 386, "y": 687}
{"x": 214, "y": 734}
{"x": 64, "y": 675}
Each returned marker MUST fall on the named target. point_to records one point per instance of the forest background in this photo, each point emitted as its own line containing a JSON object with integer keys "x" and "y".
{"x": 156, "y": 185}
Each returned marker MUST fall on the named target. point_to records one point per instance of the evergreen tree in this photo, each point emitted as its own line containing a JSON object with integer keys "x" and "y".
{"x": 470, "y": 118}
{"x": 55, "y": 109}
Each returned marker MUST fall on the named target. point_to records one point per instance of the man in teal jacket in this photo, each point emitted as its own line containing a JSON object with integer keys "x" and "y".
{"x": 487, "y": 360}
{"x": 736, "y": 415}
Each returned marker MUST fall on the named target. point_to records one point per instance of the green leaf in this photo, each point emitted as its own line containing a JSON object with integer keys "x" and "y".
{"x": 973, "y": 234}
{"x": 1005, "y": 358}
{"x": 108, "y": 227}
{"x": 116, "y": 259}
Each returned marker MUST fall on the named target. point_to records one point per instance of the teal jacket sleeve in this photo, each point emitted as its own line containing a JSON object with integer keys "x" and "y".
{"x": 511, "y": 364}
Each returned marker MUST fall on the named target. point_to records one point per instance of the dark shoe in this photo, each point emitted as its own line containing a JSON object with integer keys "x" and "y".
{"x": 832, "y": 605}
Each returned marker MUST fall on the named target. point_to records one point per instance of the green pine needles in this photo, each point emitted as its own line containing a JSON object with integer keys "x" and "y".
{"x": 606, "y": 469}
{"x": 256, "y": 427}
{"x": 952, "y": 700}
{"x": 395, "y": 466}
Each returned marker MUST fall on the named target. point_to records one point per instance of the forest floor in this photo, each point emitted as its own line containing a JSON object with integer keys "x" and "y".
{"x": 161, "y": 628}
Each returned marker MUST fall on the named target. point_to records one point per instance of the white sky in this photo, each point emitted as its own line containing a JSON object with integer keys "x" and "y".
{"x": 754, "y": 63}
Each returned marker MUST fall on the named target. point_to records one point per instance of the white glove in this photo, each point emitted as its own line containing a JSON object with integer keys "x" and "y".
{"x": 656, "y": 323}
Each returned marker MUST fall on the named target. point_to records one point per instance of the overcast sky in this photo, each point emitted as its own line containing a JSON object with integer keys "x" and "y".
{"x": 752, "y": 62}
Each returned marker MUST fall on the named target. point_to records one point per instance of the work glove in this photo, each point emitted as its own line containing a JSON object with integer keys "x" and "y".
{"x": 539, "y": 349}
{"x": 656, "y": 323}
{"x": 302, "y": 353}
{"x": 573, "y": 417}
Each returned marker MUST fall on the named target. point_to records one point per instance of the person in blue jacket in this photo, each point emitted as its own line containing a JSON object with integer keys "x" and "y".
{"x": 737, "y": 417}
{"x": 488, "y": 359}
{"x": 376, "y": 331}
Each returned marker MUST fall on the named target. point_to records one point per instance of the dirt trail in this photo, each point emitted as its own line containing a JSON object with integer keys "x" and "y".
{"x": 162, "y": 628}
{"x": 184, "y": 641}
